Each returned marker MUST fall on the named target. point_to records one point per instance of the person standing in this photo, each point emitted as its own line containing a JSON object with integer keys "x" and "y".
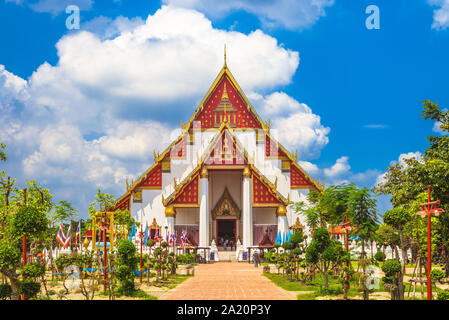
{"x": 256, "y": 259}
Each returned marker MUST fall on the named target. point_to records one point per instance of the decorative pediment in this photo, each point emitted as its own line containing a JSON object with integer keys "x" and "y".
{"x": 225, "y": 103}
{"x": 154, "y": 224}
{"x": 298, "y": 225}
{"x": 226, "y": 207}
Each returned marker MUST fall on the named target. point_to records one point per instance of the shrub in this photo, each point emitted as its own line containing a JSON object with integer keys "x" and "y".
{"x": 391, "y": 267}
{"x": 33, "y": 270}
{"x": 379, "y": 256}
{"x": 5, "y": 291}
{"x": 30, "y": 288}
{"x": 29, "y": 220}
{"x": 127, "y": 262}
{"x": 437, "y": 275}
{"x": 443, "y": 295}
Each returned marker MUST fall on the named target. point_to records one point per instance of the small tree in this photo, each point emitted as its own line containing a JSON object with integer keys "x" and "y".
{"x": 30, "y": 287}
{"x": 393, "y": 278}
{"x": 322, "y": 252}
{"x": 127, "y": 263}
{"x": 9, "y": 262}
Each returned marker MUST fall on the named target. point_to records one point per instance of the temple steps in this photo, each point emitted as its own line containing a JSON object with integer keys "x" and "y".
{"x": 226, "y": 256}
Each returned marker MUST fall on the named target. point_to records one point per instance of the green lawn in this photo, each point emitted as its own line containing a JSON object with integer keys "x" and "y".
{"x": 315, "y": 288}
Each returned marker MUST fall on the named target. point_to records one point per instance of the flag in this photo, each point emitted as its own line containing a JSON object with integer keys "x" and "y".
{"x": 172, "y": 239}
{"x": 166, "y": 236}
{"x": 156, "y": 235}
{"x": 78, "y": 234}
{"x": 183, "y": 238}
{"x": 145, "y": 239}
{"x": 68, "y": 240}
{"x": 61, "y": 236}
{"x": 133, "y": 232}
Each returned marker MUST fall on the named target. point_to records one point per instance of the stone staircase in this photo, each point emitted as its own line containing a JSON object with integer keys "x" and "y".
{"x": 226, "y": 256}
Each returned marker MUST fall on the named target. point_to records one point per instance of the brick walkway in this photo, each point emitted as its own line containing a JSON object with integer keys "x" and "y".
{"x": 228, "y": 281}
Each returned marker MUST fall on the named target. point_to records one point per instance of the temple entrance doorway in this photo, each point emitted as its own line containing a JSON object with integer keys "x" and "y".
{"x": 226, "y": 233}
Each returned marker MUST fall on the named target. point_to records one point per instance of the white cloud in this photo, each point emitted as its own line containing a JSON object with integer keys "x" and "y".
{"x": 95, "y": 117}
{"x": 440, "y": 15}
{"x": 340, "y": 172}
{"x": 401, "y": 160}
{"x": 107, "y": 28}
{"x": 154, "y": 66}
{"x": 340, "y": 168}
{"x": 289, "y": 14}
{"x": 293, "y": 124}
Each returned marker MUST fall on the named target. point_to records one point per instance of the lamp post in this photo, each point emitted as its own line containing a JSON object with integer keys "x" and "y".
{"x": 104, "y": 227}
{"x": 426, "y": 210}
{"x": 24, "y": 239}
{"x": 141, "y": 236}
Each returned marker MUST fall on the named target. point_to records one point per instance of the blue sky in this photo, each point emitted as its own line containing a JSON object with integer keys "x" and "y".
{"x": 79, "y": 110}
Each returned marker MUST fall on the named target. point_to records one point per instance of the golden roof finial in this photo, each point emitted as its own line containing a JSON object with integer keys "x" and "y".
{"x": 225, "y": 56}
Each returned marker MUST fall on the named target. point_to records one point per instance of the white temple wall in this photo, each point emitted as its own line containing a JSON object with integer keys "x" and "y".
{"x": 151, "y": 207}
{"x": 264, "y": 215}
{"x": 187, "y": 216}
{"x": 297, "y": 195}
{"x": 218, "y": 180}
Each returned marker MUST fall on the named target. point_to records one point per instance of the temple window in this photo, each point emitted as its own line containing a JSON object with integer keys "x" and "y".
{"x": 137, "y": 196}
{"x": 286, "y": 165}
{"x": 166, "y": 165}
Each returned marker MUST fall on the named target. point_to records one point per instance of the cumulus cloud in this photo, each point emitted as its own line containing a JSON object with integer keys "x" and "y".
{"x": 289, "y": 14}
{"x": 340, "y": 167}
{"x": 118, "y": 92}
{"x": 340, "y": 172}
{"x": 401, "y": 160}
{"x": 154, "y": 67}
{"x": 293, "y": 123}
{"x": 440, "y": 15}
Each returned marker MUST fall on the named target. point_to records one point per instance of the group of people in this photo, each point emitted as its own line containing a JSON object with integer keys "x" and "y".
{"x": 227, "y": 241}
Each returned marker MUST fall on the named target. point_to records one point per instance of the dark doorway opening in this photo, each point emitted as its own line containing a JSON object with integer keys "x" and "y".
{"x": 226, "y": 232}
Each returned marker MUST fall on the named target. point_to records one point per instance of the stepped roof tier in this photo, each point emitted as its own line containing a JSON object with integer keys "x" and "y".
{"x": 222, "y": 113}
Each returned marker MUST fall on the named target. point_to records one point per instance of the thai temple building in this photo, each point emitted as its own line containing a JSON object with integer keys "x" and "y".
{"x": 225, "y": 180}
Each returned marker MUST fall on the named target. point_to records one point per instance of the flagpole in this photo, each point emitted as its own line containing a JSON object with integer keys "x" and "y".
{"x": 70, "y": 228}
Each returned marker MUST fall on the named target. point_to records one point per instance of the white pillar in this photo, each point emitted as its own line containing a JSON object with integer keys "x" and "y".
{"x": 282, "y": 221}
{"x": 170, "y": 219}
{"x": 204, "y": 208}
{"x": 247, "y": 212}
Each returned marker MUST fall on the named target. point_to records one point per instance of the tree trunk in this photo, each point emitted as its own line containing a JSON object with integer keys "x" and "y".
{"x": 446, "y": 259}
{"x": 400, "y": 279}
{"x": 14, "y": 282}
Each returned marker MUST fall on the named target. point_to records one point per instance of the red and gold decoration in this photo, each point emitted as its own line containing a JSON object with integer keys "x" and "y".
{"x": 123, "y": 204}
{"x": 153, "y": 179}
{"x": 189, "y": 195}
{"x": 298, "y": 180}
{"x": 225, "y": 151}
{"x": 273, "y": 150}
{"x": 263, "y": 195}
{"x": 226, "y": 104}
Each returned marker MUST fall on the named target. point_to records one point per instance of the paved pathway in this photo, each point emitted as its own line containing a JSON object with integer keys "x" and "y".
{"x": 228, "y": 281}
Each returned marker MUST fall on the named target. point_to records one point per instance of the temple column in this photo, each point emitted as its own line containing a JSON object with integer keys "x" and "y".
{"x": 282, "y": 221}
{"x": 247, "y": 209}
{"x": 170, "y": 214}
{"x": 204, "y": 208}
